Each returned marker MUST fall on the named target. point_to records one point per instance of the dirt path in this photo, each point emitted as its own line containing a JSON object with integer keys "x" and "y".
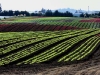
{"x": 74, "y": 69}
{"x": 86, "y": 68}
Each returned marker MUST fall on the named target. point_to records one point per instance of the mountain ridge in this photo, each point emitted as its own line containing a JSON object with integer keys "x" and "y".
{"x": 66, "y": 9}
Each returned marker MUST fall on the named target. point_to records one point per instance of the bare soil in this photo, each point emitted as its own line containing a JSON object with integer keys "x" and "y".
{"x": 88, "y": 67}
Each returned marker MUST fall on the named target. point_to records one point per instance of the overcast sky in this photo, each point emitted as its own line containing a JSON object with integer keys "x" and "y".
{"x": 32, "y": 5}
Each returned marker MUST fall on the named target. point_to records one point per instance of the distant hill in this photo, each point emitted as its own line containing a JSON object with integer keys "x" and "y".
{"x": 67, "y": 9}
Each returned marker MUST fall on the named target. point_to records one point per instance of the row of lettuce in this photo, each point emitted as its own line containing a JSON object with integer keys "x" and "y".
{"x": 37, "y": 47}
{"x": 62, "y": 21}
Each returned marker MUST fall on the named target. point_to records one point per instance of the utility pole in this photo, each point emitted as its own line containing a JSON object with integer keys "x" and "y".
{"x": 88, "y": 9}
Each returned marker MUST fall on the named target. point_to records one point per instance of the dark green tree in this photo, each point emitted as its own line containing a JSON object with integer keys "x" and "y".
{"x": 10, "y": 13}
{"x": 82, "y": 15}
{"x": 27, "y": 13}
{"x": 87, "y": 15}
{"x": 16, "y": 13}
{"x": 48, "y": 13}
{"x": 32, "y": 14}
{"x": 0, "y": 8}
{"x": 99, "y": 14}
{"x": 5, "y": 13}
{"x": 68, "y": 14}
{"x": 56, "y": 13}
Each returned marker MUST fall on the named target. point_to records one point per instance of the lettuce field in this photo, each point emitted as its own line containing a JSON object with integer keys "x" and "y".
{"x": 47, "y": 40}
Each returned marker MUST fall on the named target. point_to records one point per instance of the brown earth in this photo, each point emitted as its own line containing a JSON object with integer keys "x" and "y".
{"x": 22, "y": 27}
{"x": 87, "y": 67}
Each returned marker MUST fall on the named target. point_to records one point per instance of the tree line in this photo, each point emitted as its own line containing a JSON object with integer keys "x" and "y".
{"x": 58, "y": 14}
{"x": 48, "y": 13}
{"x": 14, "y": 13}
{"x": 94, "y": 15}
